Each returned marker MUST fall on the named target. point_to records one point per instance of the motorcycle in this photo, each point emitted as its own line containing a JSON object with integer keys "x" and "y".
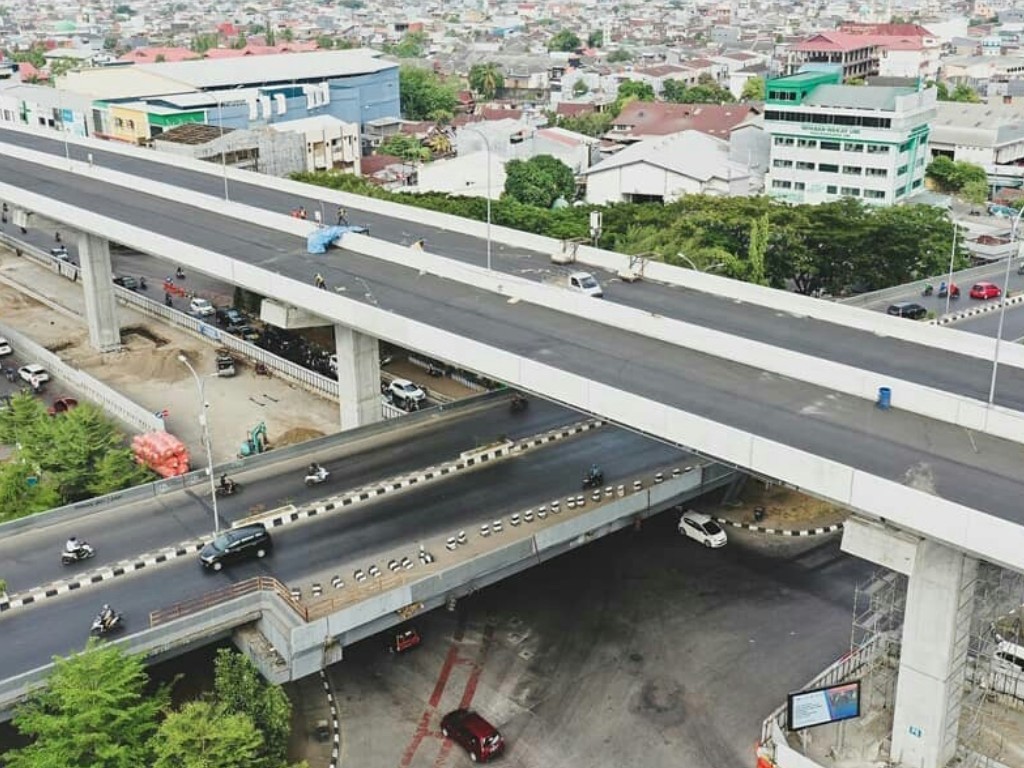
{"x": 84, "y": 552}
{"x": 228, "y": 489}
{"x": 142, "y": 284}
{"x": 518, "y": 404}
{"x": 953, "y": 293}
{"x": 100, "y": 627}
{"x": 315, "y": 478}
{"x": 593, "y": 480}
{"x": 928, "y": 290}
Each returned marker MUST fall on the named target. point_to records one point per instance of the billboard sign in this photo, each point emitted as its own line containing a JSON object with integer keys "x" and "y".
{"x": 821, "y": 706}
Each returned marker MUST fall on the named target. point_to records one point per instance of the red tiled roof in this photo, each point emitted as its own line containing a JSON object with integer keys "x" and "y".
{"x": 571, "y": 109}
{"x": 150, "y": 55}
{"x": 368, "y": 166}
{"x": 261, "y": 50}
{"x": 661, "y": 70}
{"x": 501, "y": 114}
{"x": 699, "y": 63}
{"x": 31, "y": 72}
{"x": 888, "y": 30}
{"x": 644, "y": 118}
{"x": 833, "y": 41}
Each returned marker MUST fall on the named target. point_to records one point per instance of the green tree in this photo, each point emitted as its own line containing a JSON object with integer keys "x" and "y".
{"x": 753, "y": 89}
{"x": 975, "y": 191}
{"x": 706, "y": 91}
{"x": 952, "y": 176}
{"x": 93, "y": 712}
{"x": 325, "y": 41}
{"x": 964, "y": 92}
{"x": 123, "y": 10}
{"x": 565, "y": 40}
{"x": 412, "y": 46}
{"x": 593, "y": 124}
{"x": 404, "y": 146}
{"x": 539, "y": 181}
{"x": 203, "y": 42}
{"x": 486, "y": 79}
{"x": 288, "y": 35}
{"x": 239, "y": 689}
{"x": 202, "y": 735}
{"x": 619, "y": 56}
{"x": 757, "y": 249}
{"x": 595, "y": 39}
{"x": 579, "y": 88}
{"x": 422, "y": 92}
{"x": 33, "y": 56}
{"x": 632, "y": 90}
{"x": 674, "y": 91}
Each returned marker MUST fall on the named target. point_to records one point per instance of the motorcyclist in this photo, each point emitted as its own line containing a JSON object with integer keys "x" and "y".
{"x": 179, "y": 273}
{"x": 319, "y": 281}
{"x": 942, "y": 287}
{"x": 227, "y": 484}
{"x": 73, "y": 545}
{"x": 928, "y": 289}
{"x": 594, "y": 471}
{"x": 106, "y": 616}
{"x": 314, "y": 470}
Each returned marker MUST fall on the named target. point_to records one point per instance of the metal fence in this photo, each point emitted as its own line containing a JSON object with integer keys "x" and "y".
{"x": 223, "y": 595}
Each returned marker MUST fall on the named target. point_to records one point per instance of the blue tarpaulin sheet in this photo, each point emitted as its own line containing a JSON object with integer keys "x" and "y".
{"x": 319, "y": 240}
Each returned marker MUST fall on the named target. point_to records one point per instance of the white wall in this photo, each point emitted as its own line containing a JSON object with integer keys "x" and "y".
{"x": 639, "y": 178}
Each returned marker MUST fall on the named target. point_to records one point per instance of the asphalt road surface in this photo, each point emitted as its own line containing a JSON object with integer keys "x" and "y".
{"x": 640, "y": 649}
{"x": 340, "y": 541}
{"x": 32, "y": 556}
{"x": 894, "y": 444}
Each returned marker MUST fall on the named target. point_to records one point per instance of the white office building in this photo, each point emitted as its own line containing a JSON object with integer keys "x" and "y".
{"x": 830, "y": 141}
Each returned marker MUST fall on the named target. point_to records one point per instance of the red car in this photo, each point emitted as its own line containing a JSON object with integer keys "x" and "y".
{"x": 985, "y": 291}
{"x": 474, "y": 734}
{"x": 62, "y": 405}
{"x": 404, "y": 640}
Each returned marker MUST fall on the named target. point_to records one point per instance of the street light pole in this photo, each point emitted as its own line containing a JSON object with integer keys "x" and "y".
{"x": 487, "y": 144}
{"x": 1002, "y": 308}
{"x": 223, "y": 149}
{"x": 204, "y": 422}
{"x": 952, "y": 255}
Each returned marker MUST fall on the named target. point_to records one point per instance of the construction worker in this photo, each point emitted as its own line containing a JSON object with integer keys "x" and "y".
{"x": 342, "y": 217}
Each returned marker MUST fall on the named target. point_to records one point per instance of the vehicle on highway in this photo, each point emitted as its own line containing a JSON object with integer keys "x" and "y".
{"x": 106, "y": 621}
{"x": 907, "y": 309}
{"x": 315, "y": 474}
{"x": 229, "y": 318}
{"x": 985, "y": 291}
{"x": 5, "y": 347}
{"x": 62, "y": 405}
{"x": 474, "y": 734}
{"x": 586, "y": 283}
{"x": 83, "y": 551}
{"x": 34, "y": 374}
{"x": 201, "y": 307}
{"x": 127, "y": 281}
{"x": 240, "y": 543}
{"x": 404, "y": 640}
{"x": 60, "y": 253}
{"x": 404, "y": 392}
{"x": 702, "y": 528}
{"x": 594, "y": 477}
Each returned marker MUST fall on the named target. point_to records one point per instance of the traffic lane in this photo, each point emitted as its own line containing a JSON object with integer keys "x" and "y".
{"x": 914, "y": 291}
{"x": 988, "y": 325}
{"x": 784, "y": 410}
{"x": 353, "y": 538}
{"x": 829, "y": 341}
{"x": 32, "y": 635}
{"x": 33, "y": 555}
{"x": 641, "y": 648}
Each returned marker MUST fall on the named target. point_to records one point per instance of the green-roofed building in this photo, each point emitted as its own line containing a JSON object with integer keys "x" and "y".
{"x": 830, "y": 140}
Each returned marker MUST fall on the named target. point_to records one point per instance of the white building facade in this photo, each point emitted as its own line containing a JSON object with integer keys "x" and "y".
{"x": 830, "y": 141}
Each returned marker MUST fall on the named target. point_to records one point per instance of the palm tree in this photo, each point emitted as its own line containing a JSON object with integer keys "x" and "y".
{"x": 486, "y": 79}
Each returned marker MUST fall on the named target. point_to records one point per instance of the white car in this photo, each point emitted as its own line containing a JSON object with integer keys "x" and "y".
{"x": 403, "y": 390}
{"x": 586, "y": 283}
{"x": 5, "y": 347}
{"x": 201, "y": 307}
{"x": 702, "y": 528}
{"x": 33, "y": 373}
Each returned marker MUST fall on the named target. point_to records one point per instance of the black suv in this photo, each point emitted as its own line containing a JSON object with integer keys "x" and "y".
{"x": 230, "y": 318}
{"x": 907, "y": 309}
{"x": 127, "y": 281}
{"x": 236, "y": 544}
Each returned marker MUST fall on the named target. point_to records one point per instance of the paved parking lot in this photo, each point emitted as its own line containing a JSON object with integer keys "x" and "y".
{"x": 641, "y": 649}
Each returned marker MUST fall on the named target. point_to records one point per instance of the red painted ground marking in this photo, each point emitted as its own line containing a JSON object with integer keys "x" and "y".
{"x": 442, "y": 679}
{"x": 478, "y": 668}
{"x": 418, "y": 736}
{"x": 442, "y": 756}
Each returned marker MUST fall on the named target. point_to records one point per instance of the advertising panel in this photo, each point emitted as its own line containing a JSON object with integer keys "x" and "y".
{"x": 821, "y": 706}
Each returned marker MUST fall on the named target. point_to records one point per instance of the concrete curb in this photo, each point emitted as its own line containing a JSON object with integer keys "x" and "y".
{"x": 55, "y": 589}
{"x": 335, "y": 725}
{"x": 780, "y": 531}
{"x": 983, "y": 309}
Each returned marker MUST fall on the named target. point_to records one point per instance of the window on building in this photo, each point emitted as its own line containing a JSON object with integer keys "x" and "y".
{"x": 874, "y": 194}
{"x": 833, "y": 145}
{"x": 828, "y": 168}
{"x": 916, "y": 184}
{"x": 831, "y": 189}
{"x": 118, "y": 122}
{"x": 807, "y": 143}
{"x": 804, "y": 165}
{"x": 799, "y": 185}
{"x": 849, "y": 191}
{"x": 878, "y": 149}
{"x": 783, "y": 141}
{"x": 852, "y": 170}
{"x": 878, "y": 173}
{"x": 779, "y": 184}
{"x": 777, "y": 163}
{"x": 901, "y": 170}
{"x": 853, "y": 147}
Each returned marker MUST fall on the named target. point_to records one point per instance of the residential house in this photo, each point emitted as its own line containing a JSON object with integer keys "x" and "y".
{"x": 984, "y": 134}
{"x": 645, "y": 119}
{"x": 853, "y": 55}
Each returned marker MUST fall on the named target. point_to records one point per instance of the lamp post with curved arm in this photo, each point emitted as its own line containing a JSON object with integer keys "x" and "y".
{"x": 204, "y": 422}
{"x": 1002, "y": 308}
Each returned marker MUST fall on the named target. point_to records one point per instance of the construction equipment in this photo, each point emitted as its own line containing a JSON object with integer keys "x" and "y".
{"x": 225, "y": 362}
{"x": 256, "y": 443}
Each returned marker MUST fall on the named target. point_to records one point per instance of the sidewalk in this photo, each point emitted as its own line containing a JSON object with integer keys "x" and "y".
{"x": 50, "y": 309}
{"x": 309, "y": 707}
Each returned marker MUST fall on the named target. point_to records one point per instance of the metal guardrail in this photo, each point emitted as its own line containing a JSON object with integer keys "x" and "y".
{"x": 963, "y": 277}
{"x": 223, "y": 595}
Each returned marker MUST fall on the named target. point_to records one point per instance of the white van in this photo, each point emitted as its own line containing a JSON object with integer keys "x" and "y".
{"x": 1007, "y": 671}
{"x": 584, "y": 282}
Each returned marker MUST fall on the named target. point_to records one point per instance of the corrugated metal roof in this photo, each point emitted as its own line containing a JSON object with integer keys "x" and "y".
{"x": 688, "y": 153}
{"x": 856, "y": 96}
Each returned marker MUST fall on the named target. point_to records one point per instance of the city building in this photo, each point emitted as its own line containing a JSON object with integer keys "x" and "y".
{"x": 666, "y": 168}
{"x": 641, "y": 120}
{"x": 855, "y": 56}
{"x": 263, "y": 150}
{"x": 830, "y": 141}
{"x": 984, "y": 134}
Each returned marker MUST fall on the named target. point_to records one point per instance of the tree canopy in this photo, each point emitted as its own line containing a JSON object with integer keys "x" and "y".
{"x": 412, "y": 46}
{"x": 539, "y": 181}
{"x": 423, "y": 93}
{"x": 753, "y": 89}
{"x": 632, "y": 90}
{"x": 960, "y": 92}
{"x": 404, "y": 146}
{"x": 952, "y": 175}
{"x": 239, "y": 690}
{"x": 619, "y": 55}
{"x": 59, "y": 460}
{"x": 706, "y": 91}
{"x": 486, "y": 79}
{"x": 566, "y": 41}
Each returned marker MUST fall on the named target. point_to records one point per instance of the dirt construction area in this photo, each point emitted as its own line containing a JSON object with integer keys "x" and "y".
{"x": 50, "y": 310}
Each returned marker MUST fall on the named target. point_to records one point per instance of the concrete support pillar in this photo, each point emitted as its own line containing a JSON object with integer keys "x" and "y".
{"x": 358, "y": 377}
{"x": 100, "y": 304}
{"x": 933, "y": 658}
